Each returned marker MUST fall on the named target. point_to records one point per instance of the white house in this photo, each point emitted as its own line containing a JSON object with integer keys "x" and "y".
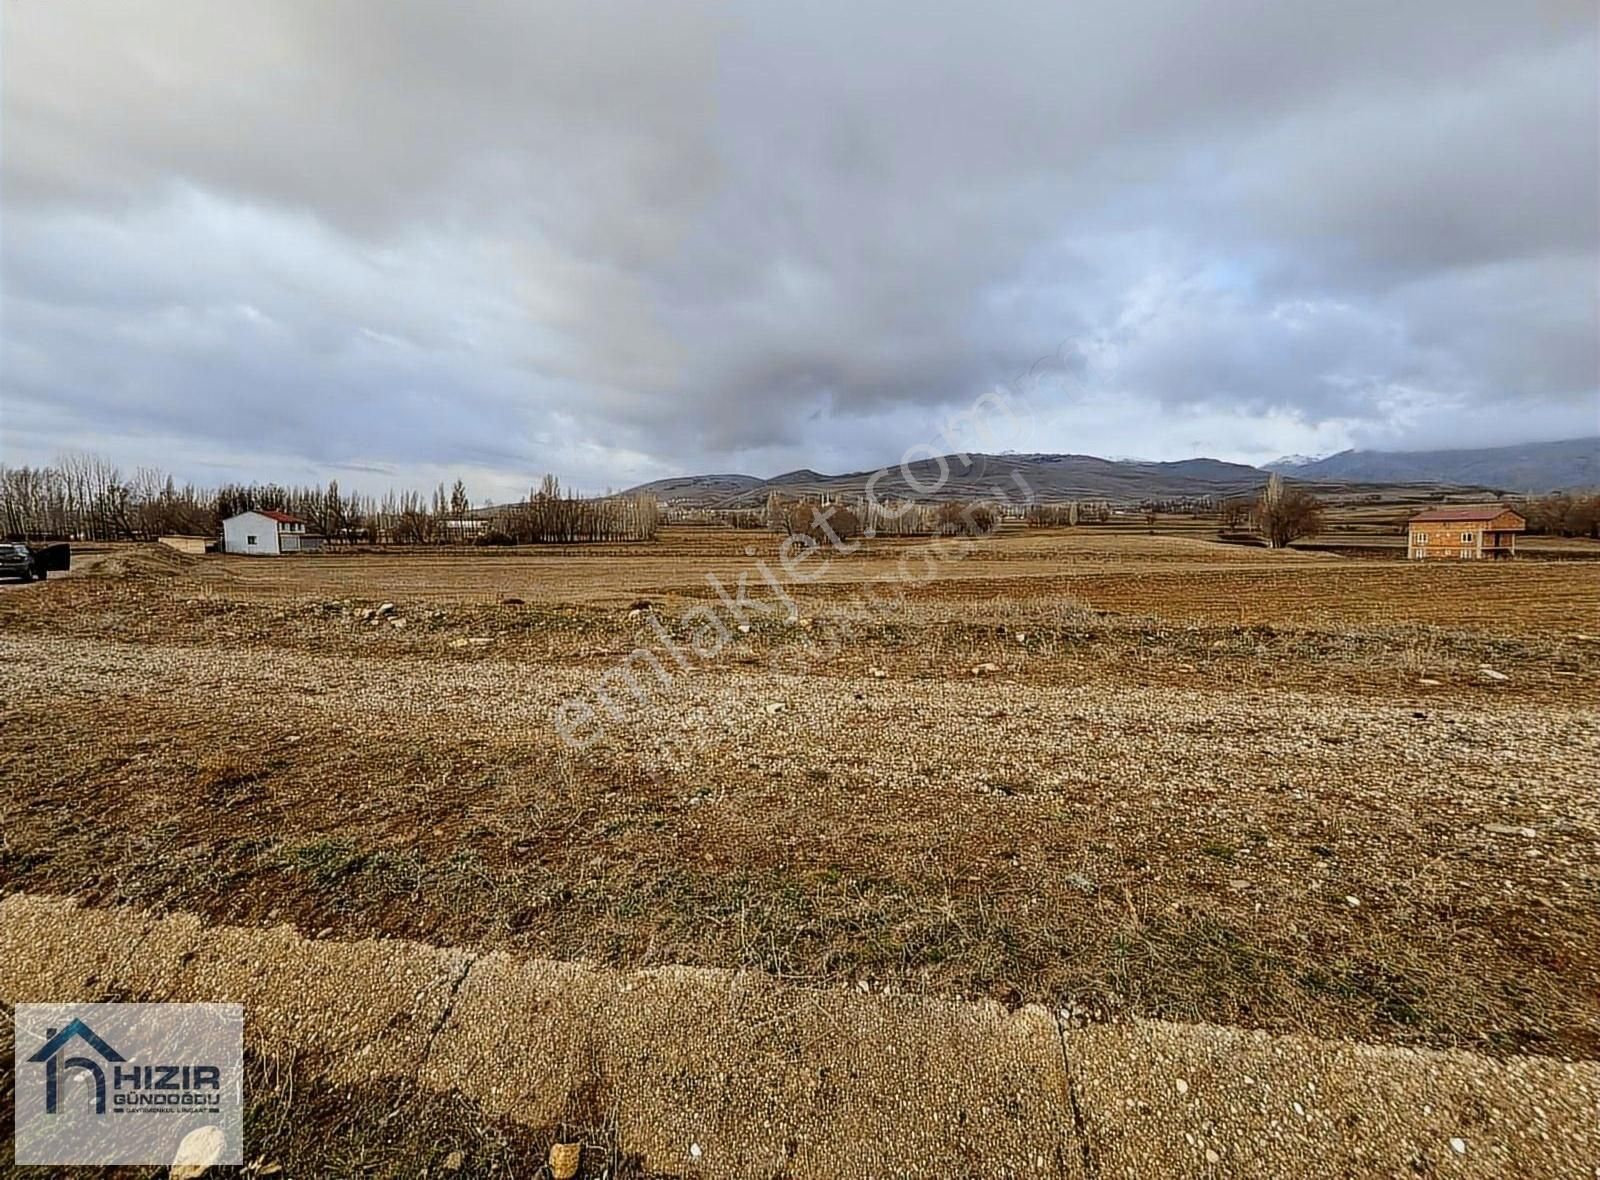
{"x": 267, "y": 532}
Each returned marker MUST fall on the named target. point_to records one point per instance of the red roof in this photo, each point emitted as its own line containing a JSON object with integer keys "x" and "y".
{"x": 1465, "y": 513}
{"x": 280, "y": 517}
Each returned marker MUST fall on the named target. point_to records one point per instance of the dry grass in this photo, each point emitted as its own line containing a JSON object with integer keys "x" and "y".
{"x": 1185, "y": 761}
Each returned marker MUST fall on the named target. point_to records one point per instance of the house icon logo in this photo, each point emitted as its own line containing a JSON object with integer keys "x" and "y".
{"x": 110, "y": 1084}
{"x": 50, "y": 1053}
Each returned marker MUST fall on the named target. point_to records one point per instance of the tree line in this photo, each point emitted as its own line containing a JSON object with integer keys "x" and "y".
{"x": 86, "y": 497}
{"x": 1563, "y": 514}
{"x": 550, "y": 516}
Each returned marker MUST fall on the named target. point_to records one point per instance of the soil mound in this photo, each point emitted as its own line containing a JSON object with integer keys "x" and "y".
{"x": 144, "y": 563}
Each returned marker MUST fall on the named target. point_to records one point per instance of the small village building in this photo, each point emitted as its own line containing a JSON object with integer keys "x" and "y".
{"x": 268, "y": 533}
{"x": 1486, "y": 531}
{"x": 464, "y": 528}
{"x": 183, "y": 543}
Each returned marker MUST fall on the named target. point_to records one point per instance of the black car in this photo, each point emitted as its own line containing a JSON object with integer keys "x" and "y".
{"x": 17, "y": 561}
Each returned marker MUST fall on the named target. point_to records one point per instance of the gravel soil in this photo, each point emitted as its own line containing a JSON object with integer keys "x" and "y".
{"x": 1118, "y": 776}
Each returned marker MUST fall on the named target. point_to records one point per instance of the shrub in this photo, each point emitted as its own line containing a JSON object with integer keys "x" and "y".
{"x": 973, "y": 520}
{"x": 811, "y": 520}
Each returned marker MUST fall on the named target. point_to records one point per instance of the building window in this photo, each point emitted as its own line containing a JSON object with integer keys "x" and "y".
{"x": 1422, "y": 538}
{"x": 1467, "y": 538}
{"x": 250, "y": 540}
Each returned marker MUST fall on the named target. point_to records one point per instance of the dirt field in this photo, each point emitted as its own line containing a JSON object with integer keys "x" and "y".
{"x": 1112, "y": 773}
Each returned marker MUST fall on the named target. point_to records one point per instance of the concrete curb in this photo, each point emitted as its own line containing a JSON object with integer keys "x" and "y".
{"x": 713, "y": 1073}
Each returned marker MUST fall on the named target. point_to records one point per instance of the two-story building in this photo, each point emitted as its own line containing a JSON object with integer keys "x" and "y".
{"x": 1464, "y": 533}
{"x": 267, "y": 532}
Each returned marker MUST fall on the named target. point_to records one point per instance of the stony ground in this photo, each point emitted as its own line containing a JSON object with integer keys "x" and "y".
{"x": 1115, "y": 774}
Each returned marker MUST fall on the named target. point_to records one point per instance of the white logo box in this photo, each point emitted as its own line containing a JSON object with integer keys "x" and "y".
{"x": 129, "y": 1084}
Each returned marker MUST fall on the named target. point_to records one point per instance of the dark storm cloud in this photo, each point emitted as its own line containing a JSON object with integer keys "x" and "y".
{"x": 620, "y": 239}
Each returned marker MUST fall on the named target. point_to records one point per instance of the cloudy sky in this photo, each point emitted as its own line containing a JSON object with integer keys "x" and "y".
{"x": 390, "y": 242}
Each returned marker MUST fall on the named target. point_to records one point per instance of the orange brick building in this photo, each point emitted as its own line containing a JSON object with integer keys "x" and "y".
{"x": 1467, "y": 533}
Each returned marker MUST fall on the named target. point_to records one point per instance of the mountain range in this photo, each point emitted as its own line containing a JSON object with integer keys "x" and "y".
{"x": 1532, "y": 468}
{"x": 1528, "y": 467}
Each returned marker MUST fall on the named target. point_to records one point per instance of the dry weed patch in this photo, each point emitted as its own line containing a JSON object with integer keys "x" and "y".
{"x": 1194, "y": 785}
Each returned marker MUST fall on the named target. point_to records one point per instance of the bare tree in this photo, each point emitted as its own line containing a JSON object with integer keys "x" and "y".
{"x": 823, "y": 524}
{"x": 973, "y": 520}
{"x": 1286, "y": 514}
{"x": 1233, "y": 513}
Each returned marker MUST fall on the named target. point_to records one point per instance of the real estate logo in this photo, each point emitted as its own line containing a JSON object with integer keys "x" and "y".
{"x": 129, "y": 1083}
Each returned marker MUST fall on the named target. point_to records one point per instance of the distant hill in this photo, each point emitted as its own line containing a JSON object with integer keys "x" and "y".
{"x": 1047, "y": 477}
{"x": 691, "y": 486}
{"x": 1530, "y": 467}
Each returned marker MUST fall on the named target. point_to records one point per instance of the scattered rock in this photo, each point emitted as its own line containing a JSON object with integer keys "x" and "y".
{"x": 744, "y": 628}
{"x": 479, "y": 641}
{"x": 1509, "y": 830}
{"x": 1352, "y": 901}
{"x": 397, "y": 624}
{"x": 1238, "y": 884}
{"x": 1491, "y": 674}
{"x": 876, "y": 673}
{"x": 1459, "y": 1146}
{"x": 1181, "y": 1086}
{"x": 455, "y": 1160}
{"x": 197, "y": 1151}
{"x": 384, "y": 610}
{"x": 694, "y": 1151}
{"x": 1212, "y": 1157}
{"x": 564, "y": 1159}
{"x": 1428, "y": 683}
{"x": 776, "y": 707}
{"x": 513, "y": 600}
{"x": 985, "y": 669}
